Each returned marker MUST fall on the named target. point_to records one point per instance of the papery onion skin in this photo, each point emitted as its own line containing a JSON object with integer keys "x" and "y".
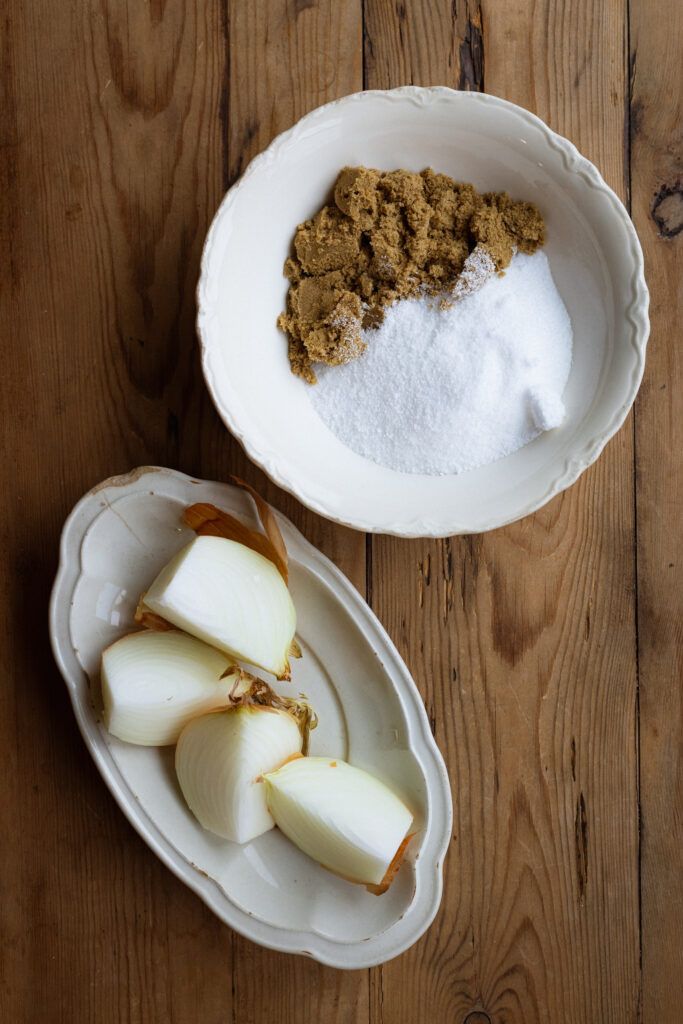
{"x": 154, "y": 683}
{"x": 220, "y": 762}
{"x": 342, "y": 816}
{"x": 231, "y": 597}
{"x": 209, "y": 521}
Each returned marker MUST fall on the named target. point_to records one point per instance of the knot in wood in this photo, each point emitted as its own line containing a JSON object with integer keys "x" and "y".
{"x": 667, "y": 210}
{"x": 477, "y": 1017}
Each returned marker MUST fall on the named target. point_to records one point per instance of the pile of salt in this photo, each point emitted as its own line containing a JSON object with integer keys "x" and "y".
{"x": 446, "y": 388}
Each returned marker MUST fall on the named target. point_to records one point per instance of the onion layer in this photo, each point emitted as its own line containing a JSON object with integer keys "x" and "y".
{"x": 154, "y": 683}
{"x": 341, "y": 816}
{"x": 220, "y": 762}
{"x": 230, "y": 596}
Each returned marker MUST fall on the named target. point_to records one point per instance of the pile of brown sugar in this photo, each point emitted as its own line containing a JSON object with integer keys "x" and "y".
{"x": 389, "y": 235}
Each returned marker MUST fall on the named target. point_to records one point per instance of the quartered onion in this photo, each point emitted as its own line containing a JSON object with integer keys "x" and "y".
{"x": 230, "y": 596}
{"x": 220, "y": 762}
{"x": 341, "y": 816}
{"x": 154, "y": 683}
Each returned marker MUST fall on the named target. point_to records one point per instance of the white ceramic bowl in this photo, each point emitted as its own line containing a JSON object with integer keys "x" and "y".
{"x": 594, "y": 256}
{"x": 114, "y": 542}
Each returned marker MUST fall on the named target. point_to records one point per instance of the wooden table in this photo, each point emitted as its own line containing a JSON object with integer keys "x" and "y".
{"x": 546, "y": 652}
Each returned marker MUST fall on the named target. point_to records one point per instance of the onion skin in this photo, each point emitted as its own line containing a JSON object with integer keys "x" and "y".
{"x": 209, "y": 521}
{"x": 220, "y": 762}
{"x": 154, "y": 683}
{"x": 341, "y": 816}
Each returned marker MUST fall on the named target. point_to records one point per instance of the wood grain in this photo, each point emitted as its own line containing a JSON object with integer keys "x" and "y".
{"x": 656, "y": 149}
{"x": 526, "y": 663}
{"x": 285, "y": 59}
{"x": 111, "y": 171}
{"x": 548, "y": 653}
{"x": 136, "y": 142}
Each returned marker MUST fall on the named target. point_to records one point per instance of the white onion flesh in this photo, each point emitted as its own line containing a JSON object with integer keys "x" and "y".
{"x": 230, "y": 596}
{"x": 154, "y": 683}
{"x": 344, "y": 818}
{"x": 220, "y": 762}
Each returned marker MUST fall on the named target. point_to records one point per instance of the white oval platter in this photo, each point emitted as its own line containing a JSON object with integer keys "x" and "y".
{"x": 113, "y": 544}
{"x": 594, "y": 256}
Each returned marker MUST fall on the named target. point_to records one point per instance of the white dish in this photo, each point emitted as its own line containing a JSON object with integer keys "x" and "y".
{"x": 114, "y": 542}
{"x": 594, "y": 256}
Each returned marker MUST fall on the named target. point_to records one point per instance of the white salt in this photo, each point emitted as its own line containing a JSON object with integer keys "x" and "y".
{"x": 444, "y": 390}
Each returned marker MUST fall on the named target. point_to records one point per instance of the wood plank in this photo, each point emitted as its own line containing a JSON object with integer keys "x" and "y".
{"x": 111, "y": 157}
{"x": 523, "y": 640}
{"x": 657, "y": 207}
{"x": 285, "y": 59}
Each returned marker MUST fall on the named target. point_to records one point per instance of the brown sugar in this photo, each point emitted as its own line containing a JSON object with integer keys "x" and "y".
{"x": 390, "y": 235}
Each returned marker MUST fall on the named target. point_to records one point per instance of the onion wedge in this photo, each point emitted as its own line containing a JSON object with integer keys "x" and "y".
{"x": 154, "y": 683}
{"x": 221, "y": 759}
{"x": 341, "y": 816}
{"x": 230, "y": 596}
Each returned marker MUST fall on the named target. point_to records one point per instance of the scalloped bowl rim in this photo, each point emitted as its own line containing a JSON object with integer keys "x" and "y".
{"x": 636, "y": 314}
{"x": 343, "y": 954}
